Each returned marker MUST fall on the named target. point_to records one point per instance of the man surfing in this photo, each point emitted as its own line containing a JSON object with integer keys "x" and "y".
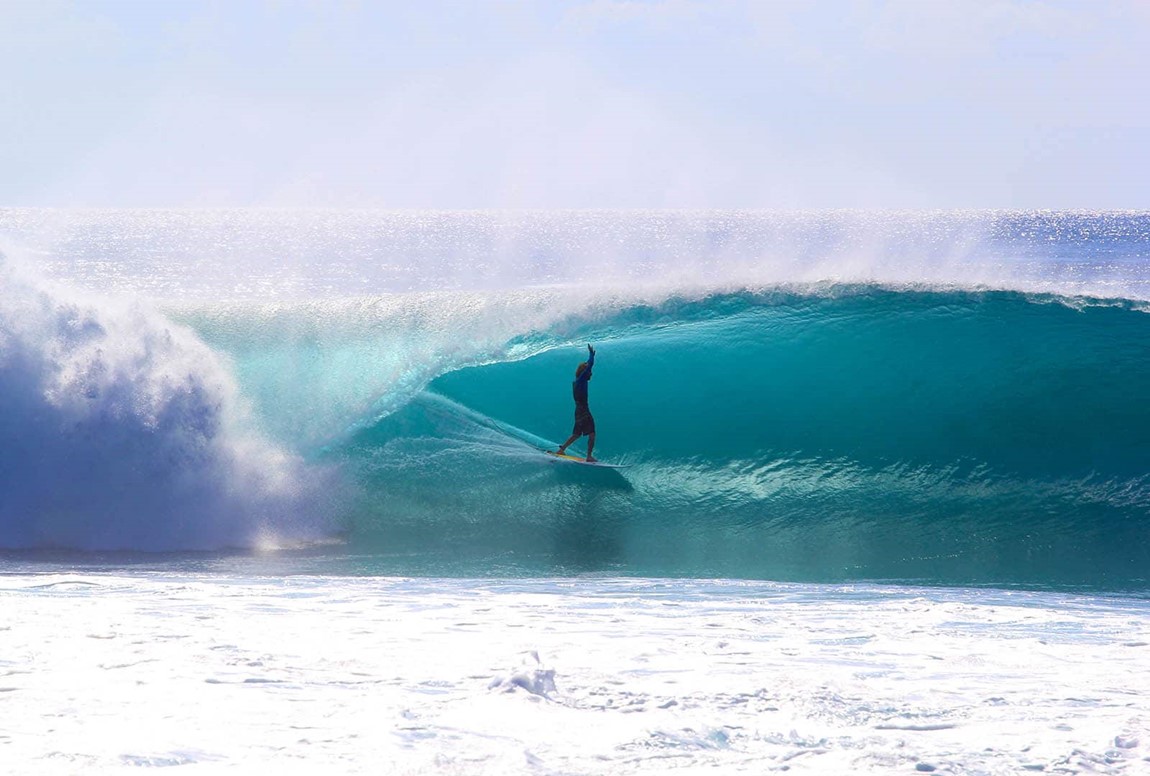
{"x": 584, "y": 422}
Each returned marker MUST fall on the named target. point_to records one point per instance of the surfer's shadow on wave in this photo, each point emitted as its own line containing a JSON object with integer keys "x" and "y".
{"x": 589, "y": 536}
{"x": 588, "y": 510}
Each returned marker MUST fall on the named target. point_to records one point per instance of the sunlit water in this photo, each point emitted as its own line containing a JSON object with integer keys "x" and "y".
{"x": 270, "y": 501}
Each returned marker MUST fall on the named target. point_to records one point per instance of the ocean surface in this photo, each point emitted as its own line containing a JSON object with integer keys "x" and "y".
{"x": 271, "y": 491}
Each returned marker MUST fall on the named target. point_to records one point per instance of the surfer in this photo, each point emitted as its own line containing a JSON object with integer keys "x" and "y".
{"x": 584, "y": 422}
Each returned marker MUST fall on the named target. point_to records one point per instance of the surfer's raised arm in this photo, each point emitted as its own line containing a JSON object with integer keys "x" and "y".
{"x": 590, "y": 363}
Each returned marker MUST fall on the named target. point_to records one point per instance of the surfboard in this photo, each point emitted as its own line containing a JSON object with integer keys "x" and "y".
{"x": 575, "y": 459}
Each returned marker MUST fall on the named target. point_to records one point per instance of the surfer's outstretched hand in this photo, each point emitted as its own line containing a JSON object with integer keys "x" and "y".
{"x": 591, "y": 350}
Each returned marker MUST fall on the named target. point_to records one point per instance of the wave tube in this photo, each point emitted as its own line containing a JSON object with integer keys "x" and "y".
{"x": 834, "y": 433}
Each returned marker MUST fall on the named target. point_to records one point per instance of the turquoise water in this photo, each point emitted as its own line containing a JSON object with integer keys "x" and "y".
{"x": 850, "y": 433}
{"x": 947, "y": 398}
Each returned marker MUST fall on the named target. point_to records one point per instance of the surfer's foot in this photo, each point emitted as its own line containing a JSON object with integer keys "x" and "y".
{"x": 562, "y": 449}
{"x": 592, "y": 460}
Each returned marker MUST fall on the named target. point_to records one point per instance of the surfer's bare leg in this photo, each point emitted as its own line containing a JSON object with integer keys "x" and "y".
{"x": 590, "y": 447}
{"x": 570, "y": 439}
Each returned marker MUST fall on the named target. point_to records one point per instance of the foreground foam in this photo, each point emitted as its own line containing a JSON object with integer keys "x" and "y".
{"x": 567, "y": 676}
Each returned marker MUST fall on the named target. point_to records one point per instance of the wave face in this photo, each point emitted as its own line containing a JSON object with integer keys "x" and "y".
{"x": 946, "y": 398}
{"x": 849, "y": 433}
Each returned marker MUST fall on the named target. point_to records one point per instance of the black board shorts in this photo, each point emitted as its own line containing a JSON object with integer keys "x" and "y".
{"x": 584, "y": 422}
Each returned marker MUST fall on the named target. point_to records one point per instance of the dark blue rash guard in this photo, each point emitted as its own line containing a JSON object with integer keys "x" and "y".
{"x": 584, "y": 422}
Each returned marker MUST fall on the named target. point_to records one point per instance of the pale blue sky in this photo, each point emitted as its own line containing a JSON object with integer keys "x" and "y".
{"x": 591, "y": 103}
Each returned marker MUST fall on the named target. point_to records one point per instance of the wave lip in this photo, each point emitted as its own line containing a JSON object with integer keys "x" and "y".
{"x": 121, "y": 430}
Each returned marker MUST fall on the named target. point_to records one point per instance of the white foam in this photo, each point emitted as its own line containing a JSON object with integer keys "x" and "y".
{"x": 121, "y": 430}
{"x": 565, "y": 676}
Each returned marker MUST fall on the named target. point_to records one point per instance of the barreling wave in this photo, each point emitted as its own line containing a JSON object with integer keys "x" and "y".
{"x": 814, "y": 432}
{"x": 819, "y": 433}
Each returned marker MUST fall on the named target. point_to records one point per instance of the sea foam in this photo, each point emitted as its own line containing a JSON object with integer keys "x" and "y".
{"x": 120, "y": 429}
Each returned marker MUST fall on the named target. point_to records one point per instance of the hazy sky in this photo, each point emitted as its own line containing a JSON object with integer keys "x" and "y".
{"x": 585, "y": 103}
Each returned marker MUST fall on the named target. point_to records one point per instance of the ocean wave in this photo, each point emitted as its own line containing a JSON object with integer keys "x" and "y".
{"x": 862, "y": 431}
{"x": 943, "y": 397}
